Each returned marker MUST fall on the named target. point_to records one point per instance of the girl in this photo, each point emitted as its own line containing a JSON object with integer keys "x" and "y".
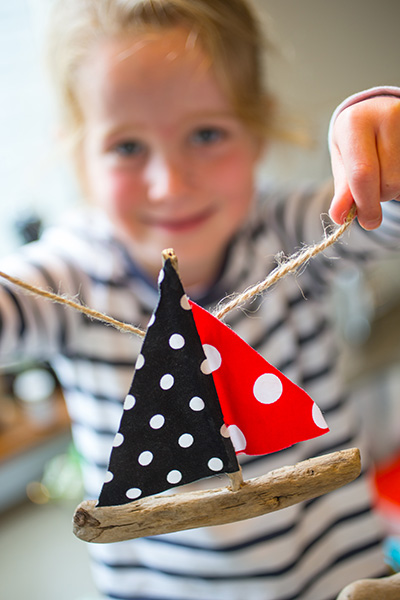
{"x": 167, "y": 117}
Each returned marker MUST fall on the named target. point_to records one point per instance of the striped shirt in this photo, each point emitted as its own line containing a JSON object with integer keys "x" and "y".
{"x": 309, "y": 551}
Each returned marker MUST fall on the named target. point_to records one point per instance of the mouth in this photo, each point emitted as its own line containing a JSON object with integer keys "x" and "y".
{"x": 181, "y": 224}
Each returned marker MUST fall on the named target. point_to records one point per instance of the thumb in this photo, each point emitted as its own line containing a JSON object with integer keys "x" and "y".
{"x": 343, "y": 198}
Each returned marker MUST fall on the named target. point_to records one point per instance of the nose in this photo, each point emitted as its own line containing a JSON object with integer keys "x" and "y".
{"x": 166, "y": 178}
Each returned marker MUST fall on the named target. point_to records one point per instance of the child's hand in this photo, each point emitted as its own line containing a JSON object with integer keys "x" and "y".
{"x": 365, "y": 153}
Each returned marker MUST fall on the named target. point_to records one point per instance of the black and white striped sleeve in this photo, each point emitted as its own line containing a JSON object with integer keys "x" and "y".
{"x": 33, "y": 327}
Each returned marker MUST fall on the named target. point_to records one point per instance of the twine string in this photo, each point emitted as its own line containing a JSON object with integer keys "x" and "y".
{"x": 89, "y": 312}
{"x": 289, "y": 265}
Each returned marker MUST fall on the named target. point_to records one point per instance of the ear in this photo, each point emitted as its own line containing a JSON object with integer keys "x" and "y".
{"x": 260, "y": 148}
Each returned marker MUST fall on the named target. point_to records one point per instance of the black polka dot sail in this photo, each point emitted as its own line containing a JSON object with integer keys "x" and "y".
{"x": 172, "y": 429}
{"x": 199, "y": 395}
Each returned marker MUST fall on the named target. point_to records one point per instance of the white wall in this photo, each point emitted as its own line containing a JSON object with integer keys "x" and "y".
{"x": 30, "y": 174}
{"x": 329, "y": 49}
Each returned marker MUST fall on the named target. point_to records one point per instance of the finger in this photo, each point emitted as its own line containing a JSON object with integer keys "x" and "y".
{"x": 361, "y": 169}
{"x": 343, "y": 199}
{"x": 388, "y": 148}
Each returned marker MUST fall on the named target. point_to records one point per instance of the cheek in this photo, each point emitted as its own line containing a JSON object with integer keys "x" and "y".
{"x": 233, "y": 178}
{"x": 117, "y": 191}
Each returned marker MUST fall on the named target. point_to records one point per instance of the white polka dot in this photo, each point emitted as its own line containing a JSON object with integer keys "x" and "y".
{"x": 268, "y": 388}
{"x": 109, "y": 477}
{"x": 196, "y": 403}
{"x": 318, "y": 417}
{"x": 174, "y": 476}
{"x": 213, "y": 360}
{"x": 130, "y": 402}
{"x": 157, "y": 421}
{"x": 185, "y": 303}
{"x": 215, "y": 464}
{"x": 205, "y": 367}
{"x": 139, "y": 362}
{"x": 145, "y": 458}
{"x": 224, "y": 431}
{"x": 238, "y": 440}
{"x": 161, "y": 276}
{"x": 176, "y": 341}
{"x": 133, "y": 493}
{"x": 167, "y": 381}
{"x": 118, "y": 440}
{"x": 152, "y": 320}
{"x": 185, "y": 440}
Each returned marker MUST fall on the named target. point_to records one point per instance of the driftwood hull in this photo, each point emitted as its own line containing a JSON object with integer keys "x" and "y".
{"x": 164, "y": 514}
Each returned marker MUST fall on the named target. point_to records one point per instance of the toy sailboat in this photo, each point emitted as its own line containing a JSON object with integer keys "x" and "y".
{"x": 200, "y": 396}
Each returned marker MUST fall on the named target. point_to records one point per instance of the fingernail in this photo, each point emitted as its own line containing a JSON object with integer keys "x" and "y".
{"x": 371, "y": 224}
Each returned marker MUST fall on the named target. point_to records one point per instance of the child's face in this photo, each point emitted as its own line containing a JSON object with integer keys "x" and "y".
{"x": 163, "y": 152}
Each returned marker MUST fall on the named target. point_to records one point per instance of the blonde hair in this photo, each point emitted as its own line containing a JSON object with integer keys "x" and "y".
{"x": 228, "y": 30}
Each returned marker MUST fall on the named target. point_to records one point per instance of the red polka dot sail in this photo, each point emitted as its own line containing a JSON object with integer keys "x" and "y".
{"x": 263, "y": 410}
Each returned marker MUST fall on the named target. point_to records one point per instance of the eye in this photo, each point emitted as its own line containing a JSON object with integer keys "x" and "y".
{"x": 129, "y": 148}
{"x": 207, "y": 136}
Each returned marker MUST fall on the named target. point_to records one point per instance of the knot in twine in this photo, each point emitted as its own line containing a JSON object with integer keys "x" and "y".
{"x": 289, "y": 265}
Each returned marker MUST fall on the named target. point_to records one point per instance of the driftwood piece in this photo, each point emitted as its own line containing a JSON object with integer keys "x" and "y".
{"x": 167, "y": 513}
{"x": 387, "y": 588}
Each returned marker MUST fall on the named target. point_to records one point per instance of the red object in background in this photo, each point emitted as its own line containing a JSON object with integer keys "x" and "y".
{"x": 386, "y": 483}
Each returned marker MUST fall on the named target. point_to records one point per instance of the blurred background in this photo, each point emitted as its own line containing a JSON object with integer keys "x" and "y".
{"x": 323, "y": 52}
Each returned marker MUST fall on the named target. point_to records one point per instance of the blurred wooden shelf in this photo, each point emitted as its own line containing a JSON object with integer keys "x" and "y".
{"x": 27, "y": 433}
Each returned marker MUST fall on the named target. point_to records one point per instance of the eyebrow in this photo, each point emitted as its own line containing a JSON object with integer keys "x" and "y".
{"x": 200, "y": 115}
